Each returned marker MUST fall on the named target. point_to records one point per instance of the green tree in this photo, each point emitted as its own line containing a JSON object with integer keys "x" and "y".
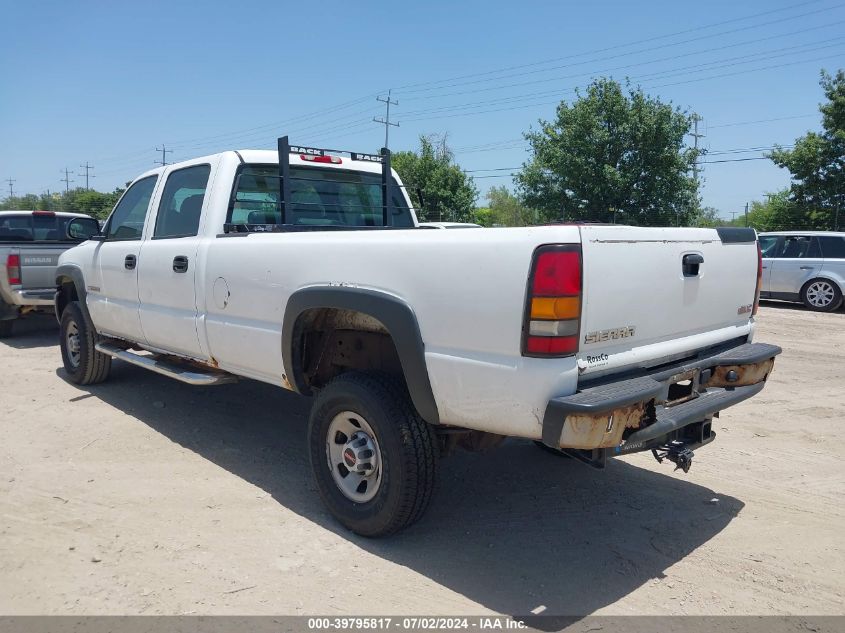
{"x": 778, "y": 212}
{"x": 706, "y": 217}
{"x": 95, "y": 203}
{"x": 448, "y": 193}
{"x": 505, "y": 210}
{"x": 614, "y": 154}
{"x": 817, "y": 161}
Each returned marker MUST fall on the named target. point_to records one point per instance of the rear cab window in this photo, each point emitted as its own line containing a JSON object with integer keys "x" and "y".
{"x": 319, "y": 197}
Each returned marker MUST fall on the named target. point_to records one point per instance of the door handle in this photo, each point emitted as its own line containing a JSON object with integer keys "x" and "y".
{"x": 180, "y": 264}
{"x": 806, "y": 267}
{"x": 764, "y": 266}
{"x": 129, "y": 262}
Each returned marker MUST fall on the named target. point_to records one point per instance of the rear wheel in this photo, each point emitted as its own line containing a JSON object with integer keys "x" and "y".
{"x": 821, "y": 295}
{"x": 83, "y": 363}
{"x": 374, "y": 459}
{"x": 6, "y": 328}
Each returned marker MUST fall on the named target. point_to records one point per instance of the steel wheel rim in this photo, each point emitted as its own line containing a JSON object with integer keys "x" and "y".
{"x": 353, "y": 456}
{"x": 820, "y": 294}
{"x": 72, "y": 344}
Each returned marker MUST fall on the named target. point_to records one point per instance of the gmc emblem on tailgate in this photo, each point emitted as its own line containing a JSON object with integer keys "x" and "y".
{"x": 609, "y": 335}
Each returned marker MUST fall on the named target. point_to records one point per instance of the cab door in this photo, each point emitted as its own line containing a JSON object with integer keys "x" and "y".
{"x": 168, "y": 266}
{"x": 798, "y": 260}
{"x": 112, "y": 290}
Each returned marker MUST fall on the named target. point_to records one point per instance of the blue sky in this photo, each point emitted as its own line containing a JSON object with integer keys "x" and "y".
{"x": 108, "y": 82}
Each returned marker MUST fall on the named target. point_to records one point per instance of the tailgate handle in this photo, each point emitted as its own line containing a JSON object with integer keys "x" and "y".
{"x": 690, "y": 264}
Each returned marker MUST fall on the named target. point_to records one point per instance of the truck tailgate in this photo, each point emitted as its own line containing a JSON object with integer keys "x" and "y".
{"x": 642, "y": 305}
{"x": 38, "y": 264}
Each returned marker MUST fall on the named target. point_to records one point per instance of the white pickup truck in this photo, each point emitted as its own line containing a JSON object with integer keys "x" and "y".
{"x": 304, "y": 268}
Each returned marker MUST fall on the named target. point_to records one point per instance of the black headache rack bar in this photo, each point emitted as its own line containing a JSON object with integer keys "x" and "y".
{"x": 285, "y": 150}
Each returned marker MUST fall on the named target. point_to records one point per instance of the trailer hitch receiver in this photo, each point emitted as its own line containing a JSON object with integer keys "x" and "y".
{"x": 677, "y": 453}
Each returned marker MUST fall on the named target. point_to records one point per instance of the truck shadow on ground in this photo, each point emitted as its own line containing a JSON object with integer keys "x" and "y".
{"x": 33, "y": 331}
{"x": 515, "y": 530}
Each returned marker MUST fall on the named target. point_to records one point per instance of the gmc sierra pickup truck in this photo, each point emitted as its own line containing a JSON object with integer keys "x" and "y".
{"x": 304, "y": 268}
{"x": 30, "y": 245}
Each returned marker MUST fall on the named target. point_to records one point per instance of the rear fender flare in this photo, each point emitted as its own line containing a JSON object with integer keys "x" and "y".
{"x": 397, "y": 317}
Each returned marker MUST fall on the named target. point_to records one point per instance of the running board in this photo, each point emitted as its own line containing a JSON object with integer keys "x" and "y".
{"x": 192, "y": 375}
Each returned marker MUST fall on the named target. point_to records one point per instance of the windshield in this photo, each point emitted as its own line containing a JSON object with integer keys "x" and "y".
{"x": 319, "y": 197}
{"x": 29, "y": 227}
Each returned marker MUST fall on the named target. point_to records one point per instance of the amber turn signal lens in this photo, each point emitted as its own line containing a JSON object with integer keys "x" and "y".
{"x": 555, "y": 308}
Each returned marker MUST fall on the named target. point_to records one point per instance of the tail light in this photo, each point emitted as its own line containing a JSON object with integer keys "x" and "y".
{"x": 13, "y": 269}
{"x": 553, "y": 306}
{"x": 759, "y": 280}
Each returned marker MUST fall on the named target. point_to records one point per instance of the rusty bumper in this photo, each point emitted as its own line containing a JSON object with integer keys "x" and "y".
{"x": 630, "y": 414}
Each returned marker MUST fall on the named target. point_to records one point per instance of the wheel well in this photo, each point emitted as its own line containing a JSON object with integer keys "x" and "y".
{"x": 329, "y": 341}
{"x": 67, "y": 293}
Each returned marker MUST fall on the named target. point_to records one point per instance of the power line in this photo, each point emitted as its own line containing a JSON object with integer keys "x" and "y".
{"x": 164, "y": 152}
{"x": 632, "y": 43}
{"x": 387, "y": 101}
{"x": 88, "y": 175}
{"x": 66, "y": 180}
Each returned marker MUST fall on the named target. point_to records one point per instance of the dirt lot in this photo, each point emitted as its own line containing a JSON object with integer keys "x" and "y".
{"x": 143, "y": 495}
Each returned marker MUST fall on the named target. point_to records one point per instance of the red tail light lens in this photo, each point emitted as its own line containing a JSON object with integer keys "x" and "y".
{"x": 13, "y": 269}
{"x": 335, "y": 160}
{"x": 759, "y": 280}
{"x": 553, "y": 310}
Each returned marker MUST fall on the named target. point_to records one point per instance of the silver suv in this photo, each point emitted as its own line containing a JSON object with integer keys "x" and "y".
{"x": 805, "y": 266}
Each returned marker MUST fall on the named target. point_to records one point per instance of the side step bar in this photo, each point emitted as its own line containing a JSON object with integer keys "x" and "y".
{"x": 190, "y": 375}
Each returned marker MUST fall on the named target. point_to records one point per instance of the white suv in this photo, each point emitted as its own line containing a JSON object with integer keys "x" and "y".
{"x": 805, "y": 266}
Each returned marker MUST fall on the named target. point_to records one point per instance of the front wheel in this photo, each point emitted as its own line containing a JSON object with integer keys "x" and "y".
{"x": 374, "y": 459}
{"x": 83, "y": 363}
{"x": 821, "y": 295}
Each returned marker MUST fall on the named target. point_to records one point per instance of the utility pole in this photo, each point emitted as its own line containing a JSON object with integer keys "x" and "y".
{"x": 733, "y": 216}
{"x": 386, "y": 120}
{"x": 164, "y": 151}
{"x": 11, "y": 187}
{"x": 66, "y": 180}
{"x": 87, "y": 169}
{"x": 695, "y": 134}
{"x": 746, "y": 214}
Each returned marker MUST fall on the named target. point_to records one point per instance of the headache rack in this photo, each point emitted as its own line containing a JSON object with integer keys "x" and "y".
{"x": 285, "y": 150}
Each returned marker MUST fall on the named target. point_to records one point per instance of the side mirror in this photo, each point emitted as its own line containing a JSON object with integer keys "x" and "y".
{"x": 81, "y": 229}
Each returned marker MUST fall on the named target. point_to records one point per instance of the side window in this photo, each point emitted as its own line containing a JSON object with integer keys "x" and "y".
{"x": 127, "y": 219}
{"x": 768, "y": 245}
{"x": 833, "y": 247}
{"x": 181, "y": 202}
{"x": 795, "y": 246}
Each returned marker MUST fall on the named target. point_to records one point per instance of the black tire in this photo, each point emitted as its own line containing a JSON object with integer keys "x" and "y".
{"x": 406, "y": 446}
{"x": 821, "y": 295}
{"x": 85, "y": 366}
{"x": 6, "y": 328}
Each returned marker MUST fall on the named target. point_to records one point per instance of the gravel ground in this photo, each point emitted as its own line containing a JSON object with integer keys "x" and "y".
{"x": 146, "y": 496}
